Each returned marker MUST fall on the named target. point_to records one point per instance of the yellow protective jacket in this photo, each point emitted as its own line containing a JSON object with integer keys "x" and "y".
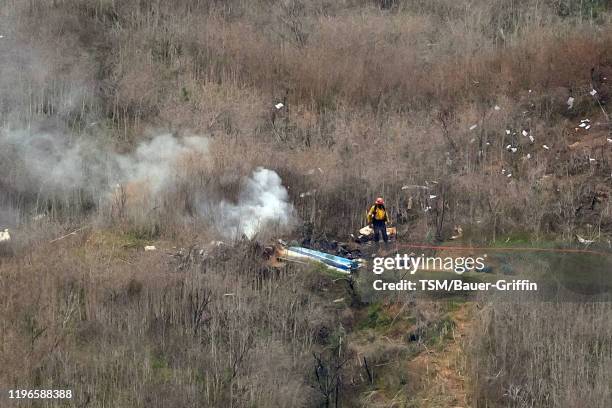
{"x": 377, "y": 213}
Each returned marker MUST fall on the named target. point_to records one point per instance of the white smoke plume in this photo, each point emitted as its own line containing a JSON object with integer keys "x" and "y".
{"x": 52, "y": 166}
{"x": 263, "y": 202}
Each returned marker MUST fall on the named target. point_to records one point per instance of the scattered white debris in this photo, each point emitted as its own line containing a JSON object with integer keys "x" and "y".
{"x": 587, "y": 127}
{"x": 150, "y": 248}
{"x": 582, "y": 125}
{"x": 338, "y": 300}
{"x": 508, "y": 147}
{"x": 570, "y": 102}
{"x": 525, "y": 133}
{"x": 503, "y": 171}
{"x": 1, "y": 37}
{"x": 229, "y": 294}
{"x": 609, "y": 140}
{"x": 308, "y": 193}
{"x": 584, "y": 241}
{"x": 509, "y": 175}
{"x": 497, "y": 108}
{"x": 530, "y": 91}
{"x": 278, "y": 105}
{"x": 531, "y": 138}
{"x": 513, "y": 149}
{"x": 593, "y": 92}
{"x": 546, "y": 147}
{"x": 507, "y": 131}
{"x": 528, "y": 156}
{"x": 427, "y": 208}
{"x": 5, "y": 235}
{"x": 473, "y": 127}
{"x": 431, "y": 196}
{"x": 592, "y": 159}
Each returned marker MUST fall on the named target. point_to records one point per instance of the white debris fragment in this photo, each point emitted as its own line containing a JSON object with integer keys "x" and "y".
{"x": 609, "y": 140}
{"x": 431, "y": 196}
{"x": 570, "y": 102}
{"x": 1, "y": 37}
{"x": 473, "y": 140}
{"x": 503, "y": 171}
{"x": 513, "y": 149}
{"x": 497, "y": 108}
{"x": 507, "y": 131}
{"x": 307, "y": 193}
{"x": 473, "y": 127}
{"x": 530, "y": 91}
{"x": 508, "y": 147}
{"x": 593, "y": 92}
{"x": 150, "y": 248}
{"x": 528, "y": 156}
{"x": 546, "y": 147}
{"x": 509, "y": 175}
{"x": 408, "y": 186}
{"x": 427, "y": 208}
{"x": 584, "y": 241}
{"x": 279, "y": 105}
{"x": 5, "y": 235}
{"x": 592, "y": 159}
{"x": 587, "y": 127}
{"x": 531, "y": 138}
{"x": 525, "y": 133}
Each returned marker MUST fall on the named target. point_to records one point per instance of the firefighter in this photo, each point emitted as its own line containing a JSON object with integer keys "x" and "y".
{"x": 377, "y": 217}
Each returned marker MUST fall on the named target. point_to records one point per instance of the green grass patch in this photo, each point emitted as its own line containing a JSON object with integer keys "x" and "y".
{"x": 376, "y": 318}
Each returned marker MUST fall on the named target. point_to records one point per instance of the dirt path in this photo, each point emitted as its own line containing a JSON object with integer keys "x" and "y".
{"x": 444, "y": 370}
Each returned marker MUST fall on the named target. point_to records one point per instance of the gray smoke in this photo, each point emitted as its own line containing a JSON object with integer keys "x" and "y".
{"x": 154, "y": 162}
{"x": 53, "y": 166}
{"x": 50, "y": 89}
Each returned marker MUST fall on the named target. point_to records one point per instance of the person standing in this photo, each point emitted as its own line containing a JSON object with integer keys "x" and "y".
{"x": 377, "y": 216}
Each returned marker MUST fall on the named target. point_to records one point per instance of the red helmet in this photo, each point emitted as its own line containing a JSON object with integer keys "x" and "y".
{"x": 380, "y": 201}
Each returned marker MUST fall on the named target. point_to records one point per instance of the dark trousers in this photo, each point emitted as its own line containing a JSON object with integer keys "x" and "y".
{"x": 380, "y": 228}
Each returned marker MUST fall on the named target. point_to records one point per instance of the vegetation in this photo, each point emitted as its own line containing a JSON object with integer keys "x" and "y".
{"x": 406, "y": 99}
